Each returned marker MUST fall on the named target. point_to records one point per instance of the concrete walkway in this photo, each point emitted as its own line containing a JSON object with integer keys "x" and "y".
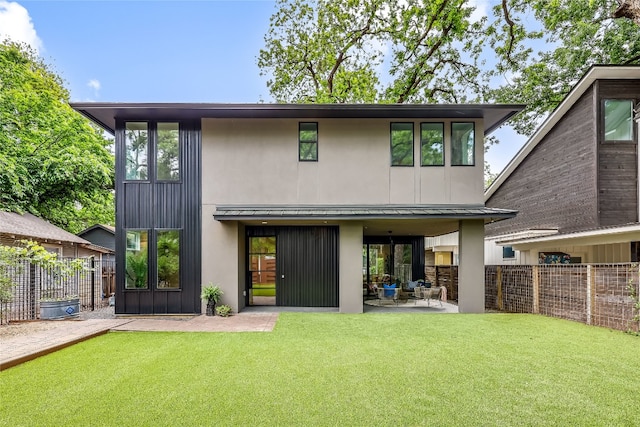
{"x": 22, "y": 347}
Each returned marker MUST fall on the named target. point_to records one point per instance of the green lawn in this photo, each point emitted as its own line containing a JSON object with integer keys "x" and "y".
{"x": 342, "y": 370}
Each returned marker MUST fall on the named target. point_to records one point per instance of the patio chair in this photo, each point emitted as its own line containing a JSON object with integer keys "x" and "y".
{"x": 388, "y": 295}
{"x": 433, "y": 293}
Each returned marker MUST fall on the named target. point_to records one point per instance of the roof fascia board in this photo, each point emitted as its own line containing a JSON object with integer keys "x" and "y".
{"x": 596, "y": 72}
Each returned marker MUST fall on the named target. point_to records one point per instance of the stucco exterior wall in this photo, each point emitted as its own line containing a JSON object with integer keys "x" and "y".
{"x": 255, "y": 161}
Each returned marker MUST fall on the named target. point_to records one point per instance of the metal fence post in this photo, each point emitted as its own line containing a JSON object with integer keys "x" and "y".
{"x": 590, "y": 293}
{"x": 93, "y": 283}
{"x": 536, "y": 288}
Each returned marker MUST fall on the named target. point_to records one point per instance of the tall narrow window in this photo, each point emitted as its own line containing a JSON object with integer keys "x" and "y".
{"x": 401, "y": 144}
{"x": 137, "y": 145}
{"x": 308, "y": 142}
{"x": 462, "y": 144}
{"x": 168, "y": 259}
{"x": 136, "y": 261}
{"x": 432, "y": 144}
{"x": 618, "y": 120}
{"x": 168, "y": 152}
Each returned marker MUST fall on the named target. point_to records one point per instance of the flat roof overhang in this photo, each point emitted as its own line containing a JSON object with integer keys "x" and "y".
{"x": 106, "y": 114}
{"x": 601, "y": 236}
{"x": 376, "y": 220}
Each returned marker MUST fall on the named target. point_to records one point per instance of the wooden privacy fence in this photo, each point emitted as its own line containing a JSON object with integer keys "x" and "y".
{"x": 595, "y": 294}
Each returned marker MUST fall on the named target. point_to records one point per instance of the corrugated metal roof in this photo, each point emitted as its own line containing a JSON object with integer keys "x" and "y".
{"x": 27, "y": 225}
{"x": 235, "y": 213}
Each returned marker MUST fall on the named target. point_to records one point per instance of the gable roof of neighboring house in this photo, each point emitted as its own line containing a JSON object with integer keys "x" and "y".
{"x": 28, "y": 225}
{"x": 596, "y": 72}
{"x": 107, "y": 228}
{"x": 106, "y": 114}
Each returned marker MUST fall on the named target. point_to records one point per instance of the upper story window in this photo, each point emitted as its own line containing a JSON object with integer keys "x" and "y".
{"x": 308, "y": 142}
{"x": 432, "y": 144}
{"x": 618, "y": 120}
{"x": 168, "y": 152}
{"x": 401, "y": 144}
{"x": 152, "y": 151}
{"x": 463, "y": 144}
{"x": 137, "y": 149}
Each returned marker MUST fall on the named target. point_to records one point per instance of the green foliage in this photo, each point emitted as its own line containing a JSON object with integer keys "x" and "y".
{"x": 13, "y": 259}
{"x": 211, "y": 293}
{"x": 169, "y": 259}
{"x": 53, "y": 163}
{"x": 578, "y": 34}
{"x": 136, "y": 269}
{"x": 332, "y": 52}
{"x": 223, "y": 310}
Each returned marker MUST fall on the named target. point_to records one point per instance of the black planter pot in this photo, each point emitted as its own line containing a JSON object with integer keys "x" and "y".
{"x": 211, "y": 308}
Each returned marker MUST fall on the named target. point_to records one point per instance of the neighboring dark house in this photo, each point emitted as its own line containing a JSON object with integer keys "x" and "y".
{"x": 15, "y": 227}
{"x": 575, "y": 182}
{"x": 101, "y": 235}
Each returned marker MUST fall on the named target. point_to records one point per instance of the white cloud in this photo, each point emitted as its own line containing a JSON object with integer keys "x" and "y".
{"x": 94, "y": 84}
{"x": 16, "y": 24}
{"x": 482, "y": 9}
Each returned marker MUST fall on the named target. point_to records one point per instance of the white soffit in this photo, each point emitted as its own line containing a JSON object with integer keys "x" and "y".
{"x": 625, "y": 233}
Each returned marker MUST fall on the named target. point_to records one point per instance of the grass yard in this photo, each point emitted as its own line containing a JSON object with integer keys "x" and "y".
{"x": 339, "y": 370}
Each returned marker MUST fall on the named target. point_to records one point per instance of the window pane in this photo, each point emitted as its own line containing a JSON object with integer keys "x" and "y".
{"x": 618, "y": 120}
{"x": 308, "y": 141}
{"x": 402, "y": 144}
{"x": 169, "y": 259}
{"x": 432, "y": 144}
{"x": 136, "y": 142}
{"x": 136, "y": 262}
{"x": 168, "y": 151}
{"x": 462, "y": 144}
{"x": 402, "y": 266}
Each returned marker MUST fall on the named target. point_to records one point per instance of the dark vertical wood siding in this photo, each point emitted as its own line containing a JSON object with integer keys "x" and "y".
{"x": 153, "y": 206}
{"x": 307, "y": 257}
{"x": 555, "y": 186}
{"x": 617, "y": 161}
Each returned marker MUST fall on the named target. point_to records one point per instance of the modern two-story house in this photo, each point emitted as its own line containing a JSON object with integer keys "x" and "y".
{"x": 297, "y": 203}
{"x": 575, "y": 181}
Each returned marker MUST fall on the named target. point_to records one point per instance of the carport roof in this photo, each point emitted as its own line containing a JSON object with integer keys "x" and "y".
{"x": 106, "y": 114}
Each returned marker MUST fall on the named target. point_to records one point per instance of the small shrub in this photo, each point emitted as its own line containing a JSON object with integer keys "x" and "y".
{"x": 223, "y": 310}
{"x": 211, "y": 293}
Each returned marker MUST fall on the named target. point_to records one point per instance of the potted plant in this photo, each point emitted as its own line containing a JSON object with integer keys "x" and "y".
{"x": 223, "y": 310}
{"x": 212, "y": 294}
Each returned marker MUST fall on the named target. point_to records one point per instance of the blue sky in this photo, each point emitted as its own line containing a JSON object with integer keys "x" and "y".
{"x": 162, "y": 51}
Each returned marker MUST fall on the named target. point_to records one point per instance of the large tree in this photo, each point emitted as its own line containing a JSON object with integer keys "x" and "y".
{"x": 328, "y": 51}
{"x": 576, "y": 34}
{"x": 53, "y": 163}
{"x": 441, "y": 51}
